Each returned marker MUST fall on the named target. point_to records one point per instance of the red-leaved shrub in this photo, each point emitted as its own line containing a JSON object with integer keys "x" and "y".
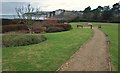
{"x": 54, "y": 26}
{"x": 13, "y": 27}
{"x": 48, "y": 25}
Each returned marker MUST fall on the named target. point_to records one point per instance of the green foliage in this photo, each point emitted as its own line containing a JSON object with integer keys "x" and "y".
{"x": 10, "y": 40}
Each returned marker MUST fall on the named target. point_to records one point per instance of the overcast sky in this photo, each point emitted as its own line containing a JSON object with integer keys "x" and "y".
{"x": 8, "y": 6}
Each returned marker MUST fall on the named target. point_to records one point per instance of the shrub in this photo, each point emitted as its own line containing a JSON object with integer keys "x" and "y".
{"x": 59, "y": 28}
{"x": 10, "y": 40}
{"x": 38, "y": 27}
{"x": 23, "y": 31}
{"x": 13, "y": 27}
{"x": 54, "y": 29}
{"x": 65, "y": 26}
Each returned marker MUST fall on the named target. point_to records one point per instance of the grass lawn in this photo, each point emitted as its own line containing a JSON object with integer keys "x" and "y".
{"x": 48, "y": 55}
{"x": 112, "y": 30}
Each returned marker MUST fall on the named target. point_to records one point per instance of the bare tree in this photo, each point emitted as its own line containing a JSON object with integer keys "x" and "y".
{"x": 27, "y": 14}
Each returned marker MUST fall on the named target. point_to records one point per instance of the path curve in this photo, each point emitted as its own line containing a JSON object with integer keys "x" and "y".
{"x": 93, "y": 56}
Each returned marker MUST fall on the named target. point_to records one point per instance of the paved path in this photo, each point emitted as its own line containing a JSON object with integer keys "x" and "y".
{"x": 93, "y": 56}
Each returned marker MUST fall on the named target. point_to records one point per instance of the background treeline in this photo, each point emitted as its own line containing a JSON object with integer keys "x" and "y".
{"x": 100, "y": 14}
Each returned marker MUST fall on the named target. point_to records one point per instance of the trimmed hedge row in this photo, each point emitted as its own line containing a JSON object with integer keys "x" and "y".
{"x": 38, "y": 27}
{"x": 23, "y": 29}
{"x": 54, "y": 29}
{"x": 59, "y": 28}
{"x": 13, "y": 27}
{"x": 11, "y": 40}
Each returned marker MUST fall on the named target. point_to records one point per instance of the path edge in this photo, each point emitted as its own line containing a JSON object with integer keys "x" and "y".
{"x": 68, "y": 61}
{"x": 108, "y": 50}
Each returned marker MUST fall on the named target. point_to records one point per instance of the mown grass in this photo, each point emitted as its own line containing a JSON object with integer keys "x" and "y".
{"x": 48, "y": 55}
{"x": 111, "y": 29}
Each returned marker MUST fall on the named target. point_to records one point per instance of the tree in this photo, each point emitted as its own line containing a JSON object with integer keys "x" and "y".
{"x": 106, "y": 14}
{"x": 88, "y": 9}
{"x": 87, "y": 13}
{"x": 116, "y": 11}
{"x": 97, "y": 13}
{"x": 27, "y": 14}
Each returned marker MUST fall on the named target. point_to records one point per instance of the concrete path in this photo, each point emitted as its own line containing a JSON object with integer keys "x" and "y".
{"x": 93, "y": 56}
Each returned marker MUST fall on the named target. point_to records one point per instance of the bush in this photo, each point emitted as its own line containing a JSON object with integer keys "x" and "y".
{"x": 10, "y": 40}
{"x": 38, "y": 27}
{"x": 65, "y": 26}
{"x": 13, "y": 27}
{"x": 55, "y": 29}
{"x": 23, "y": 31}
{"x": 54, "y": 26}
{"x": 59, "y": 28}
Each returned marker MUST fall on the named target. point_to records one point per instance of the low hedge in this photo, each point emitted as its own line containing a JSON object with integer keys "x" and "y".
{"x": 11, "y": 40}
{"x": 66, "y": 26}
{"x": 59, "y": 28}
{"x": 13, "y": 27}
{"x": 46, "y": 26}
{"x": 55, "y": 29}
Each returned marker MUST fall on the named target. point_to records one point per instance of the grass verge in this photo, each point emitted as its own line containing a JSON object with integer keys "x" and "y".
{"x": 112, "y": 31}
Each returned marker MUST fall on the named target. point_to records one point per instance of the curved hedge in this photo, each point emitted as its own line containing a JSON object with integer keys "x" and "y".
{"x": 10, "y": 40}
{"x": 59, "y": 28}
{"x": 54, "y": 29}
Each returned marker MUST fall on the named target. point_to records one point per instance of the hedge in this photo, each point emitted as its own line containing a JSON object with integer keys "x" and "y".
{"x": 11, "y": 40}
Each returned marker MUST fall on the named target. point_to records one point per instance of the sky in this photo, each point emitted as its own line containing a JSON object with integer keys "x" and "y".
{"x": 8, "y": 6}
